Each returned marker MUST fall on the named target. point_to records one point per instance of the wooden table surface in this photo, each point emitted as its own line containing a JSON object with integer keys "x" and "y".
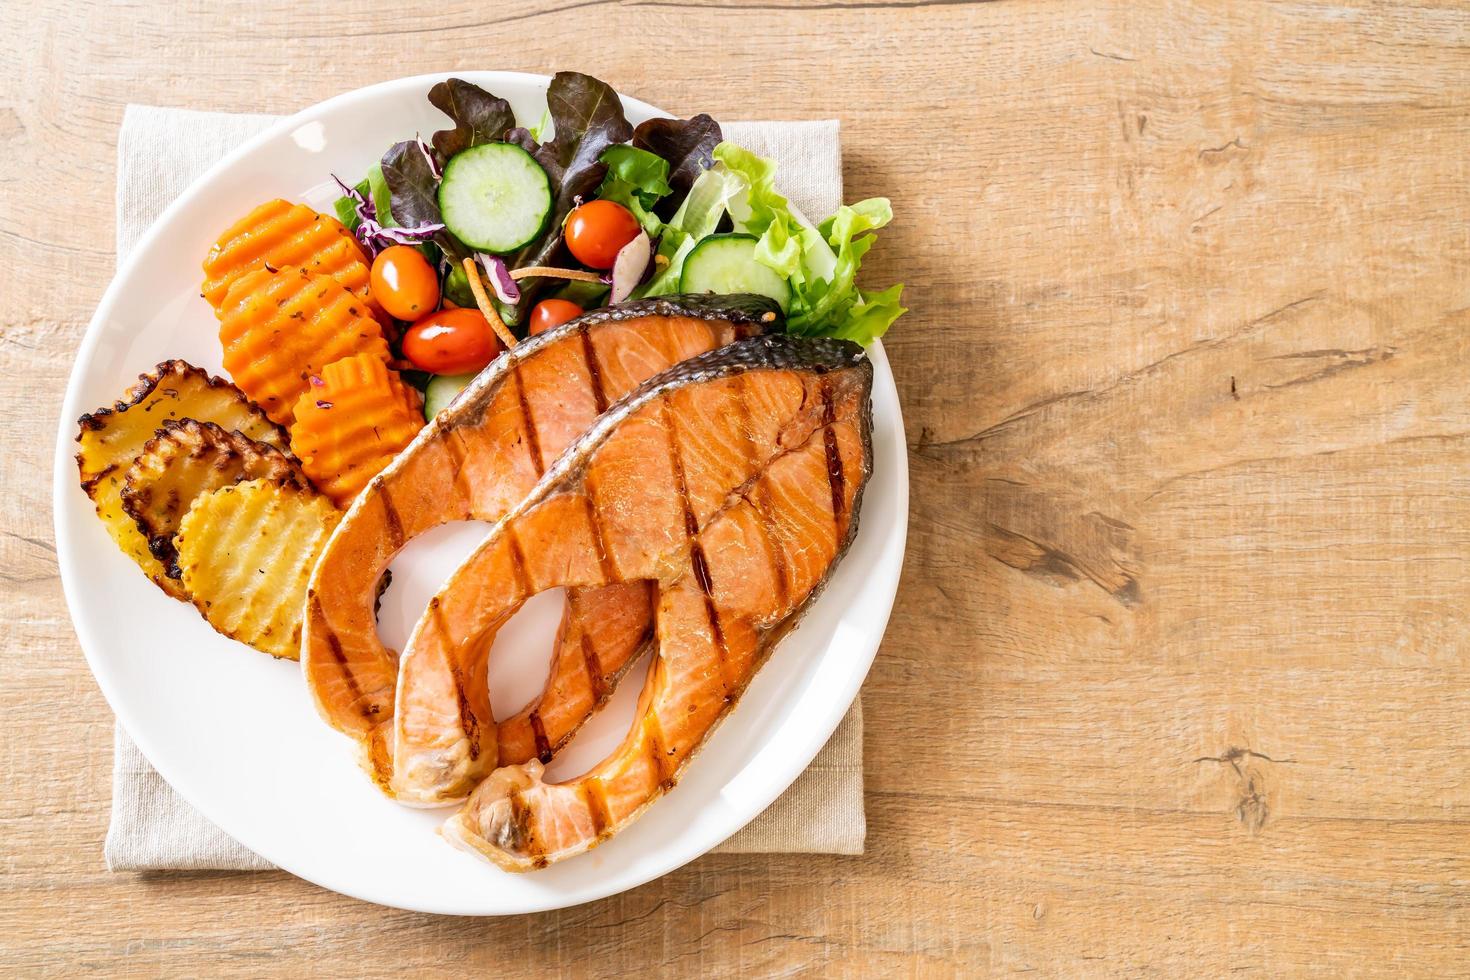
{"x": 1177, "y": 677}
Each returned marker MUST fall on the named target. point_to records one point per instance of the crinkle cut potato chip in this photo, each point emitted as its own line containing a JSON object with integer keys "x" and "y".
{"x": 185, "y": 459}
{"x": 111, "y": 438}
{"x": 245, "y": 553}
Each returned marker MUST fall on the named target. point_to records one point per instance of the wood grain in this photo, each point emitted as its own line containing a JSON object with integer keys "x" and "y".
{"x": 1177, "y": 679}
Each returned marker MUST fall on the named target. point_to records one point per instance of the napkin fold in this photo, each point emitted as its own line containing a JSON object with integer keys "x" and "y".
{"x": 160, "y": 152}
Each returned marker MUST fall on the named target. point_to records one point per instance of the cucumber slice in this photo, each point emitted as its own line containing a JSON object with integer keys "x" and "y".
{"x": 726, "y": 264}
{"x": 441, "y": 391}
{"x": 495, "y": 197}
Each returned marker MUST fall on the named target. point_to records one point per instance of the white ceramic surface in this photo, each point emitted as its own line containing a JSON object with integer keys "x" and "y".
{"x": 234, "y": 732}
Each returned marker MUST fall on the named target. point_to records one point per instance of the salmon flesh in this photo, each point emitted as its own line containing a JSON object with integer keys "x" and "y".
{"x": 727, "y": 488}
{"x": 475, "y": 461}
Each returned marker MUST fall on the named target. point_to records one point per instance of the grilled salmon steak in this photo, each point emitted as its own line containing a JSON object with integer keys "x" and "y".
{"x": 728, "y": 487}
{"x": 475, "y": 461}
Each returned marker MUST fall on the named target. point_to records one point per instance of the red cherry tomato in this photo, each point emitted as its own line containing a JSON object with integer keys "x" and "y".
{"x": 553, "y": 313}
{"x": 404, "y": 283}
{"x": 596, "y": 230}
{"x": 451, "y": 342}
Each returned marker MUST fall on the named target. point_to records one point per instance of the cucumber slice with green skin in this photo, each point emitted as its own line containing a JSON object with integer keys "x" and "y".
{"x": 441, "y": 391}
{"x": 726, "y": 264}
{"x": 495, "y": 197}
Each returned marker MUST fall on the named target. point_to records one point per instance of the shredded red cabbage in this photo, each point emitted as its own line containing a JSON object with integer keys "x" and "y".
{"x": 374, "y": 236}
{"x": 416, "y": 235}
{"x": 496, "y": 271}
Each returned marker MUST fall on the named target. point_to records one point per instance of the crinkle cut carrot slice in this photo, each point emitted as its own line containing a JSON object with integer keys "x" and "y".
{"x": 279, "y": 233}
{"x": 355, "y": 418}
{"x": 281, "y": 327}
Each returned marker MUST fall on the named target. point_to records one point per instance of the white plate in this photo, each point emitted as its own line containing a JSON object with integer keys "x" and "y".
{"x": 233, "y": 730}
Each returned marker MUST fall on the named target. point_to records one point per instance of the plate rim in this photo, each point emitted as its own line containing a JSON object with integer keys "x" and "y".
{"x": 64, "y": 483}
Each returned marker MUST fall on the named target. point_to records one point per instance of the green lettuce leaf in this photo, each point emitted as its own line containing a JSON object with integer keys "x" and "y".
{"x": 621, "y": 192}
{"x": 869, "y": 315}
{"x": 637, "y": 180}
{"x": 830, "y": 302}
{"x": 647, "y": 172}
{"x": 699, "y": 216}
{"x": 382, "y": 197}
{"x": 820, "y": 262}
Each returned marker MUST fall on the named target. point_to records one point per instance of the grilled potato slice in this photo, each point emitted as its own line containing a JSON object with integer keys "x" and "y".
{"x": 111, "y": 438}
{"x": 245, "y": 554}
{"x": 187, "y": 458}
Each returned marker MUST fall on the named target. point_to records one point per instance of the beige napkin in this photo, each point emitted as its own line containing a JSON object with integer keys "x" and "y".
{"x": 159, "y": 152}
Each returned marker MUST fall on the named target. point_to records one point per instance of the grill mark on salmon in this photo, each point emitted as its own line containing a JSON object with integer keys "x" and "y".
{"x": 393, "y": 522}
{"x": 659, "y": 752}
{"x": 594, "y": 371}
{"x": 681, "y": 483}
{"x": 528, "y": 424}
{"x": 691, "y": 532}
{"x": 692, "y": 685}
{"x": 543, "y": 747}
{"x": 340, "y": 657}
{"x": 594, "y": 521}
{"x": 596, "y": 807}
{"x": 759, "y": 497}
{"x": 717, "y": 632}
{"x": 455, "y": 449}
{"x": 468, "y": 722}
{"x": 524, "y": 837}
{"x": 594, "y": 669}
{"x": 476, "y": 460}
{"x": 518, "y": 565}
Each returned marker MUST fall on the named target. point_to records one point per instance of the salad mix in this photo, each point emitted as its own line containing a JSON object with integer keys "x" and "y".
{"x": 489, "y": 231}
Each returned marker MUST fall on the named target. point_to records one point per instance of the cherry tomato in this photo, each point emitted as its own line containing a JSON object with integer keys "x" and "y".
{"x": 451, "y": 342}
{"x": 404, "y": 283}
{"x": 596, "y": 230}
{"x": 553, "y": 313}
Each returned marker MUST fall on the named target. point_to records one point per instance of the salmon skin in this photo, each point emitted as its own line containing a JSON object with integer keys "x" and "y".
{"x": 729, "y": 487}
{"x": 475, "y": 461}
